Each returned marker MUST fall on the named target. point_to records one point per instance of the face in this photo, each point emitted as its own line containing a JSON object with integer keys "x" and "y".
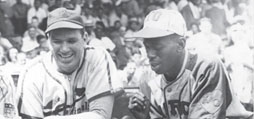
{"x": 21, "y": 58}
{"x": 13, "y": 52}
{"x": 68, "y": 47}
{"x": 32, "y": 32}
{"x": 37, "y": 4}
{"x": 35, "y": 22}
{"x": 43, "y": 42}
{"x": 205, "y": 26}
{"x": 163, "y": 53}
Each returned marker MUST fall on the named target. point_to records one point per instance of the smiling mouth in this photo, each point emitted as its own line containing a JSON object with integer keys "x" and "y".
{"x": 65, "y": 57}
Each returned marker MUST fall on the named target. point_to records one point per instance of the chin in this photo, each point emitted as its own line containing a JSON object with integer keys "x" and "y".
{"x": 158, "y": 71}
{"x": 66, "y": 71}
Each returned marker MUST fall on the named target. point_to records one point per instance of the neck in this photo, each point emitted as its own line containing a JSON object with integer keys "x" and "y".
{"x": 173, "y": 73}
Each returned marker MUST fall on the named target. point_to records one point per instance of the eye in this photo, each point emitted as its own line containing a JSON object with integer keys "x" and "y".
{"x": 56, "y": 41}
{"x": 72, "y": 41}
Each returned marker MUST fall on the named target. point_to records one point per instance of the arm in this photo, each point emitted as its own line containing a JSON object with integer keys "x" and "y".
{"x": 101, "y": 75}
{"x": 100, "y": 108}
{"x": 211, "y": 94}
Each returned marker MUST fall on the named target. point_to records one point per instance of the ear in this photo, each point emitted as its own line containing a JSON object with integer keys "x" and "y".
{"x": 181, "y": 44}
{"x": 85, "y": 36}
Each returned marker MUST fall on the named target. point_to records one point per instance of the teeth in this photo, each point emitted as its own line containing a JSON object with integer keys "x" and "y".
{"x": 65, "y": 56}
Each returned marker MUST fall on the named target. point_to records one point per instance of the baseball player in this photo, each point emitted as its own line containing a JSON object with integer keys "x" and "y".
{"x": 71, "y": 81}
{"x": 182, "y": 85}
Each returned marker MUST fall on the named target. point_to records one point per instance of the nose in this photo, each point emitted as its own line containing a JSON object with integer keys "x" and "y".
{"x": 64, "y": 47}
{"x": 151, "y": 53}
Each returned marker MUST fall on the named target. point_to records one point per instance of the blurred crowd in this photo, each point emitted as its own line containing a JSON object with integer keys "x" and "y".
{"x": 215, "y": 27}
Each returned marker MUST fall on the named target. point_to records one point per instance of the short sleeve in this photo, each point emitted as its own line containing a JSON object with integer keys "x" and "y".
{"x": 102, "y": 78}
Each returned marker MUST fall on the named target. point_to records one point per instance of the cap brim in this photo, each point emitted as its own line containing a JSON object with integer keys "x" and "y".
{"x": 63, "y": 24}
{"x": 150, "y": 33}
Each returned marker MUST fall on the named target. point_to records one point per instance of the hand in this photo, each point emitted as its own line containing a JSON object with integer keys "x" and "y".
{"x": 139, "y": 106}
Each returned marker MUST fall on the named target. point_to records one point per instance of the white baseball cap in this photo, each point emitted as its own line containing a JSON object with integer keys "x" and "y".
{"x": 162, "y": 22}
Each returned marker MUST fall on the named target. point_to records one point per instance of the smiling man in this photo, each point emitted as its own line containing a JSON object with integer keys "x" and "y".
{"x": 180, "y": 85}
{"x": 71, "y": 81}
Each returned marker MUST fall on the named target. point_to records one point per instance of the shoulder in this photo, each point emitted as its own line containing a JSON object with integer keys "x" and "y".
{"x": 33, "y": 71}
{"x": 206, "y": 64}
{"x": 95, "y": 53}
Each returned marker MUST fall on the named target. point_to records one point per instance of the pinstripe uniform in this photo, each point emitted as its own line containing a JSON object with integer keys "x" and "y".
{"x": 43, "y": 91}
{"x": 200, "y": 91}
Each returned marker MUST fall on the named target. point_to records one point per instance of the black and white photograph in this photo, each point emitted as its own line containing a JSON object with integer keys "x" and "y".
{"x": 126, "y": 59}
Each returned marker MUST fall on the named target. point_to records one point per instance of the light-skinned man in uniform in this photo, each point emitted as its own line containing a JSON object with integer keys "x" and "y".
{"x": 73, "y": 81}
{"x": 180, "y": 85}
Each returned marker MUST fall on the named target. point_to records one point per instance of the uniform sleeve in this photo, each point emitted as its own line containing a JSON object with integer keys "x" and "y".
{"x": 29, "y": 97}
{"x": 102, "y": 75}
{"x": 212, "y": 94}
{"x": 103, "y": 106}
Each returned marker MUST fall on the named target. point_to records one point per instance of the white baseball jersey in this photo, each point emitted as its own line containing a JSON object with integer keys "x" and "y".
{"x": 43, "y": 91}
{"x": 200, "y": 91}
{"x": 8, "y": 105}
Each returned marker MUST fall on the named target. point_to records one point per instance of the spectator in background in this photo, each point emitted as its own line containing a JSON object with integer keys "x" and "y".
{"x": 191, "y": 12}
{"x": 35, "y": 24}
{"x": 5, "y": 43}
{"x": 12, "y": 67}
{"x": 121, "y": 15}
{"x": 22, "y": 60}
{"x": 6, "y": 27}
{"x": 30, "y": 42}
{"x": 41, "y": 49}
{"x": 194, "y": 29}
{"x": 87, "y": 15}
{"x": 132, "y": 27}
{"x": 132, "y": 75}
{"x": 68, "y": 5}
{"x": 102, "y": 17}
{"x": 101, "y": 35}
{"x": 12, "y": 55}
{"x": 43, "y": 45}
{"x": 239, "y": 60}
{"x": 76, "y": 6}
{"x": 205, "y": 42}
{"x": 56, "y": 4}
{"x": 44, "y": 5}
{"x": 92, "y": 40}
{"x": 36, "y": 11}
{"x": 218, "y": 17}
{"x": 20, "y": 10}
{"x": 30, "y": 3}
{"x": 131, "y": 8}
